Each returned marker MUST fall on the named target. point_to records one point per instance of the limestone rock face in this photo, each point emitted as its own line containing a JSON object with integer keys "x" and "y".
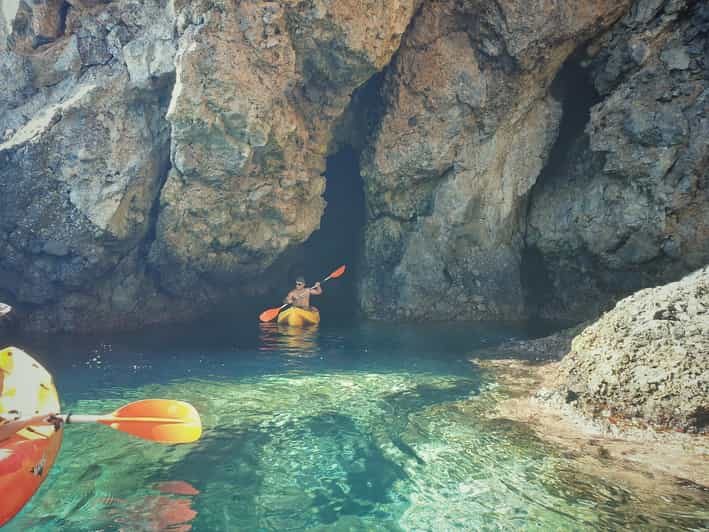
{"x": 83, "y": 154}
{"x": 468, "y": 126}
{"x": 647, "y": 358}
{"x": 160, "y": 157}
{"x": 152, "y": 153}
{"x": 628, "y": 207}
{"x": 260, "y": 87}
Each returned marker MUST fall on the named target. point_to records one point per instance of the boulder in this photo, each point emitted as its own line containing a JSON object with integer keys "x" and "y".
{"x": 646, "y": 360}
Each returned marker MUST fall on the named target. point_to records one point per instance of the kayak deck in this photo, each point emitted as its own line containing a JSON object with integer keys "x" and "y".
{"x": 26, "y": 390}
{"x": 299, "y": 317}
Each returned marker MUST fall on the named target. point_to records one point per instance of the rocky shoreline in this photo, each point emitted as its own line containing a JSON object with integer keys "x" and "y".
{"x": 632, "y": 387}
{"x": 639, "y": 454}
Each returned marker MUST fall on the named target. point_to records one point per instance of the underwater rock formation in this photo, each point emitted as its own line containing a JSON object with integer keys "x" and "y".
{"x": 648, "y": 358}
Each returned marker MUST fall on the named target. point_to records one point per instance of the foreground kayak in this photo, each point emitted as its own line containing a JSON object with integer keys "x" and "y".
{"x": 299, "y": 317}
{"x": 26, "y": 390}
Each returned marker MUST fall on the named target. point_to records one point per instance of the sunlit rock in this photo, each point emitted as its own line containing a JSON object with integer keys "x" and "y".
{"x": 647, "y": 359}
{"x": 259, "y": 90}
{"x": 468, "y": 127}
{"x": 82, "y": 160}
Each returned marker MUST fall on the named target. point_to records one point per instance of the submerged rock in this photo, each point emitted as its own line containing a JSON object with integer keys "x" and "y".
{"x": 648, "y": 358}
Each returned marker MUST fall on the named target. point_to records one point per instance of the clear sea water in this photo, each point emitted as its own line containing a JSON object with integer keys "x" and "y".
{"x": 364, "y": 427}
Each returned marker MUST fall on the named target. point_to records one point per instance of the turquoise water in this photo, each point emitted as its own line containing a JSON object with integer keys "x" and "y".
{"x": 366, "y": 427}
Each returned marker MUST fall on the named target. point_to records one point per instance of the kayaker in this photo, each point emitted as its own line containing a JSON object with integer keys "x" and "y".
{"x": 300, "y": 295}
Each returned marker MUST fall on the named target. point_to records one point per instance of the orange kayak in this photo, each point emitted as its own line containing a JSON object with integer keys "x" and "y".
{"x": 26, "y": 390}
{"x": 299, "y": 317}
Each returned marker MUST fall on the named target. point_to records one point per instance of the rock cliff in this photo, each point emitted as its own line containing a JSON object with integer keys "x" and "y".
{"x": 154, "y": 154}
{"x": 626, "y": 204}
{"x": 530, "y": 162}
{"x": 85, "y": 148}
{"x": 260, "y": 89}
{"x": 470, "y": 121}
{"x": 157, "y": 157}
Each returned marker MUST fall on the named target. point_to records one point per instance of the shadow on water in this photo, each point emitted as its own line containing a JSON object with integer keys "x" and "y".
{"x": 253, "y": 474}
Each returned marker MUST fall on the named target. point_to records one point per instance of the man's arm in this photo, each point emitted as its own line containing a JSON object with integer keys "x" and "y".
{"x": 316, "y": 290}
{"x": 289, "y": 298}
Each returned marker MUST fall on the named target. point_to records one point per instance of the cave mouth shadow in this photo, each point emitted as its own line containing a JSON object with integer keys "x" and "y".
{"x": 574, "y": 88}
{"x": 339, "y": 239}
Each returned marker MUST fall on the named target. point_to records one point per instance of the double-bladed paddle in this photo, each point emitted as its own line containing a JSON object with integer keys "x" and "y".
{"x": 160, "y": 420}
{"x": 270, "y": 314}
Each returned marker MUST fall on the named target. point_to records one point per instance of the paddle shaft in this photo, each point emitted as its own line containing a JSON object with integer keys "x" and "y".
{"x": 83, "y": 418}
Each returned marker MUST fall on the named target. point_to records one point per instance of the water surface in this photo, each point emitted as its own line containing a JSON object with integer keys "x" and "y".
{"x": 364, "y": 427}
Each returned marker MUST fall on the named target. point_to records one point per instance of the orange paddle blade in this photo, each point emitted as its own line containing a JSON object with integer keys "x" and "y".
{"x": 338, "y": 272}
{"x": 270, "y": 314}
{"x": 160, "y": 420}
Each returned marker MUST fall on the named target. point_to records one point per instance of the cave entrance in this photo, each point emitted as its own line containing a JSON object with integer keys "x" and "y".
{"x": 574, "y": 88}
{"x": 341, "y": 235}
{"x": 339, "y": 239}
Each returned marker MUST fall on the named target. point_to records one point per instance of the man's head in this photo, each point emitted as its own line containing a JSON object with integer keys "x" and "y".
{"x": 300, "y": 282}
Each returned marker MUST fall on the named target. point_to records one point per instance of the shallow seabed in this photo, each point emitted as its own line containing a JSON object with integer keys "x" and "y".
{"x": 367, "y": 427}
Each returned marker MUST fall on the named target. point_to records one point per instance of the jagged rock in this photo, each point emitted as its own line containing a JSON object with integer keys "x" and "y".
{"x": 628, "y": 206}
{"x": 260, "y": 89}
{"x": 16, "y": 73}
{"x": 76, "y": 187}
{"x": 648, "y": 358}
{"x": 163, "y": 197}
{"x": 47, "y": 20}
{"x": 468, "y": 126}
{"x": 55, "y": 62}
{"x": 80, "y": 172}
{"x": 35, "y": 22}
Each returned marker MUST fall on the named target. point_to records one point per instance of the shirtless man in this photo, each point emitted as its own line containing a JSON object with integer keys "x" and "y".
{"x": 300, "y": 295}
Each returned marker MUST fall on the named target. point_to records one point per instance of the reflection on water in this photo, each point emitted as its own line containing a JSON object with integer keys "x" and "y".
{"x": 172, "y": 510}
{"x": 293, "y": 341}
{"x": 365, "y": 429}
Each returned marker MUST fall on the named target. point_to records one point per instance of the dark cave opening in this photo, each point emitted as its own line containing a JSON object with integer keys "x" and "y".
{"x": 574, "y": 88}
{"x": 339, "y": 239}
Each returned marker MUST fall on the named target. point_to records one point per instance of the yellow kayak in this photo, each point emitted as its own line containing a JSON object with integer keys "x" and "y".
{"x": 299, "y": 317}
